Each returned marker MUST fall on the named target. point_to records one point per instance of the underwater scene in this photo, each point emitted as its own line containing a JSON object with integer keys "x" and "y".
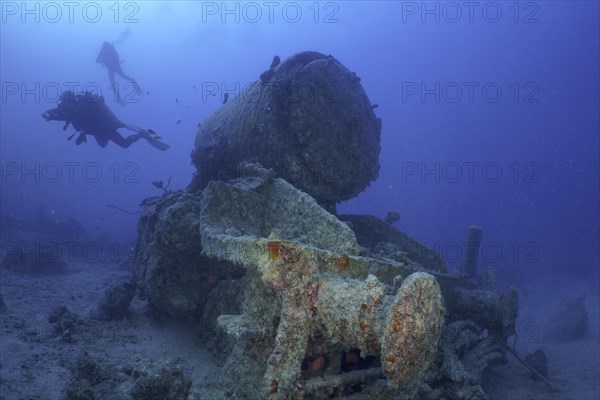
{"x": 285, "y": 200}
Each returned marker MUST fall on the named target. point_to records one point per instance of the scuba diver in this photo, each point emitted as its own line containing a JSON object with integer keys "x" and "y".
{"x": 109, "y": 57}
{"x": 91, "y": 116}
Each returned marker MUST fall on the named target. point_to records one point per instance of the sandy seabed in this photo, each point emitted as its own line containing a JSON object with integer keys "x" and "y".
{"x": 35, "y": 364}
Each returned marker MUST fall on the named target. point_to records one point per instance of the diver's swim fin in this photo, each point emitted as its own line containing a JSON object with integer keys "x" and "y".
{"x": 157, "y": 144}
{"x": 144, "y": 134}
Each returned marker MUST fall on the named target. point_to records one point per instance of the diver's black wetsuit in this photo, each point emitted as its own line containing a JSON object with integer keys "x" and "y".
{"x": 89, "y": 115}
{"x": 110, "y": 58}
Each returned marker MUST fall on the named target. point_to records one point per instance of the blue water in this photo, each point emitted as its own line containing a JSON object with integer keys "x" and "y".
{"x": 434, "y": 70}
{"x": 490, "y": 114}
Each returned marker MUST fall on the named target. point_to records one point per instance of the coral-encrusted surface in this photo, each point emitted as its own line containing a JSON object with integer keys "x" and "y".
{"x": 302, "y": 289}
{"x": 311, "y": 122}
{"x": 169, "y": 267}
{"x": 411, "y": 335}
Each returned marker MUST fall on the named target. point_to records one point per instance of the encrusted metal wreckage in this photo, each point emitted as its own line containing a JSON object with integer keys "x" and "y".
{"x": 314, "y": 305}
{"x": 308, "y": 295}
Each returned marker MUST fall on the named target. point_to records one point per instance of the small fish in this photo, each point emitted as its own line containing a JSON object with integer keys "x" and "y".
{"x": 97, "y": 227}
{"x": 225, "y": 98}
{"x": 147, "y": 92}
{"x": 316, "y": 365}
{"x": 178, "y": 121}
{"x": 199, "y": 125}
{"x": 150, "y": 131}
{"x": 177, "y": 101}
